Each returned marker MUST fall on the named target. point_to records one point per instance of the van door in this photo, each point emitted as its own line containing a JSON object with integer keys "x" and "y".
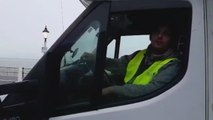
{"x": 209, "y": 58}
{"x": 77, "y": 79}
{"x": 183, "y": 100}
{"x": 64, "y": 82}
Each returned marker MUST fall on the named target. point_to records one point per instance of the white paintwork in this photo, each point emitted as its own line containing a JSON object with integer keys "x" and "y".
{"x": 184, "y": 101}
{"x": 209, "y": 60}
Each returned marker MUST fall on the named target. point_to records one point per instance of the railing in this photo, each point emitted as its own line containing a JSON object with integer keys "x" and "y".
{"x": 25, "y": 71}
{"x": 12, "y": 74}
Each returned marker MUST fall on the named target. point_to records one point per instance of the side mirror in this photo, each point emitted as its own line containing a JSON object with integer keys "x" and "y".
{"x": 19, "y": 87}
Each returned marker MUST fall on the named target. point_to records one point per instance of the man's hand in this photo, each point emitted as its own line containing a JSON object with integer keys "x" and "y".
{"x": 108, "y": 91}
{"x": 87, "y": 57}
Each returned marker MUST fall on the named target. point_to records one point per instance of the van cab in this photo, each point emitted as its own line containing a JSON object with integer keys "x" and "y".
{"x": 64, "y": 86}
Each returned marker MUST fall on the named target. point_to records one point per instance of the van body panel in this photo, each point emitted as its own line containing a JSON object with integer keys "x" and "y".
{"x": 185, "y": 101}
{"x": 209, "y": 57}
{"x": 190, "y": 99}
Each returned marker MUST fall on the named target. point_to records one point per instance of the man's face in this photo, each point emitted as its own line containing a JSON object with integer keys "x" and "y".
{"x": 161, "y": 38}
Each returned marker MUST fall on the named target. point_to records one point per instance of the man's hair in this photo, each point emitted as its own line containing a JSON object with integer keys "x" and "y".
{"x": 172, "y": 27}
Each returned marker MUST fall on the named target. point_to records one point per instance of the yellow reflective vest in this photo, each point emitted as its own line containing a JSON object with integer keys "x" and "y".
{"x": 147, "y": 76}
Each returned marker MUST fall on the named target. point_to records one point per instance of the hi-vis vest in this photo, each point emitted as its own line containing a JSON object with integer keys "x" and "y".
{"x": 147, "y": 76}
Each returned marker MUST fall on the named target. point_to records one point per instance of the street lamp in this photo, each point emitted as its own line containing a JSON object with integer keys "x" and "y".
{"x": 45, "y": 34}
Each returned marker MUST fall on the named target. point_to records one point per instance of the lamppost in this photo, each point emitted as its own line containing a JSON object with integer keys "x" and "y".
{"x": 45, "y": 34}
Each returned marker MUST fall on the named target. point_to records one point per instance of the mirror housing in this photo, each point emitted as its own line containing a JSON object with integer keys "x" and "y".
{"x": 19, "y": 87}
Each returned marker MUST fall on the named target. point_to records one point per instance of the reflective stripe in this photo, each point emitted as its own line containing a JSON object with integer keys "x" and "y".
{"x": 133, "y": 65}
{"x": 147, "y": 76}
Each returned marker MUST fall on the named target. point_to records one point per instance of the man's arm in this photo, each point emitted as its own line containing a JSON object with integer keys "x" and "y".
{"x": 165, "y": 75}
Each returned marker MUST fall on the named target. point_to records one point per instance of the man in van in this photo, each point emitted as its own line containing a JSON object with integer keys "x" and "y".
{"x": 146, "y": 70}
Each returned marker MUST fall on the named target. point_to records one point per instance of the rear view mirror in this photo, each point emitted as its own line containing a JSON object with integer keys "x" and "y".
{"x": 74, "y": 52}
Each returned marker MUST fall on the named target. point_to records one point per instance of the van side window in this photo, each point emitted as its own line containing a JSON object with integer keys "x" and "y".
{"x": 144, "y": 67}
{"x": 111, "y": 49}
{"x": 137, "y": 57}
{"x": 86, "y": 43}
{"x": 130, "y": 44}
{"x": 75, "y": 71}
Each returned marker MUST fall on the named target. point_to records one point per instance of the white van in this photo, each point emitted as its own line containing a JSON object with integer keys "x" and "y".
{"x": 59, "y": 87}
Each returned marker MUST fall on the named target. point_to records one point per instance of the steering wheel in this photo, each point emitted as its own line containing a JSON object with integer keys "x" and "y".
{"x": 107, "y": 79}
{"x": 88, "y": 66}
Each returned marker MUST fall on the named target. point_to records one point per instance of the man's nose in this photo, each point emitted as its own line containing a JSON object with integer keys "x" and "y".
{"x": 160, "y": 35}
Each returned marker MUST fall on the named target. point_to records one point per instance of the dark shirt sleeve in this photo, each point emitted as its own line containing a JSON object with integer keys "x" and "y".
{"x": 165, "y": 75}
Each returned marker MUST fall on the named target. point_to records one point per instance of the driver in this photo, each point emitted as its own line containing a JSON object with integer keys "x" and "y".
{"x": 146, "y": 70}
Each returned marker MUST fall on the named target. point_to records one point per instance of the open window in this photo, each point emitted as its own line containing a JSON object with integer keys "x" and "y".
{"x": 81, "y": 82}
{"x": 129, "y": 31}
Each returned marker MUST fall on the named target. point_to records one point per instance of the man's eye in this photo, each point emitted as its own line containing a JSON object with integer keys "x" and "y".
{"x": 166, "y": 33}
{"x": 156, "y": 32}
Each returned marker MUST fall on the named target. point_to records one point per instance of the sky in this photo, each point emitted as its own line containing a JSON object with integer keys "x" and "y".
{"x": 22, "y": 23}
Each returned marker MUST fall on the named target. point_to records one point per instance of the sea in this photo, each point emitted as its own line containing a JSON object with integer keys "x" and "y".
{"x": 17, "y": 62}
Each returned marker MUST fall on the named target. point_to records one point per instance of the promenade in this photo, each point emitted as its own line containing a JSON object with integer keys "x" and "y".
{"x": 12, "y": 74}
{"x": 15, "y": 69}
